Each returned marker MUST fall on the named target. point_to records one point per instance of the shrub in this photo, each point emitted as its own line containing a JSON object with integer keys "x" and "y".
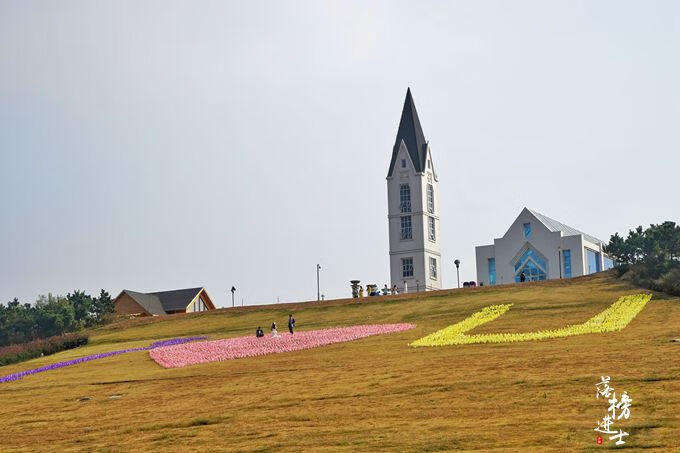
{"x": 45, "y": 346}
{"x": 669, "y": 282}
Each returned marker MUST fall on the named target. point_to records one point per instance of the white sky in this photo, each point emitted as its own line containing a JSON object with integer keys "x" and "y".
{"x": 154, "y": 145}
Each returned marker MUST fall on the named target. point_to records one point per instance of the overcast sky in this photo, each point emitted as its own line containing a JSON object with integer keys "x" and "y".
{"x": 155, "y": 145}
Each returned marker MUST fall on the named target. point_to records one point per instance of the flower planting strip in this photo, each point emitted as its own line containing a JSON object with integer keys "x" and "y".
{"x": 54, "y": 366}
{"x": 251, "y": 346}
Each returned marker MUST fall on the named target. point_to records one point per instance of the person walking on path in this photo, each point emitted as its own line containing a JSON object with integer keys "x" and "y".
{"x": 291, "y": 323}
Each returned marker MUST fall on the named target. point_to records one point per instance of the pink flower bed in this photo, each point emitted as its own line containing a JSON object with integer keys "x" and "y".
{"x": 251, "y": 346}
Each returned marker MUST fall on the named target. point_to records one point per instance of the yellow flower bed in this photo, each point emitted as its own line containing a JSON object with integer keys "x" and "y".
{"x": 613, "y": 319}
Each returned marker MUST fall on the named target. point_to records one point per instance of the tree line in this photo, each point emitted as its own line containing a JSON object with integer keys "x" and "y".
{"x": 52, "y": 315}
{"x": 649, "y": 257}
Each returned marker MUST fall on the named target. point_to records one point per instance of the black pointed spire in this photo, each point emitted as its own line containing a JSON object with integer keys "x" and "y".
{"x": 412, "y": 134}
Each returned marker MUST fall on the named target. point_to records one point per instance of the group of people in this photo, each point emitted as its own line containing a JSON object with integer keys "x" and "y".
{"x": 372, "y": 290}
{"x": 259, "y": 333}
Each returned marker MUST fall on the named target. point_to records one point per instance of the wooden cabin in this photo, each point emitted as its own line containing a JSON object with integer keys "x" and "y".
{"x": 190, "y": 300}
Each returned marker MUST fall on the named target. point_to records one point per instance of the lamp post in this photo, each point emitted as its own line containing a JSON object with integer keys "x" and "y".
{"x": 233, "y": 290}
{"x": 417, "y": 286}
{"x": 457, "y": 263}
{"x": 318, "y": 290}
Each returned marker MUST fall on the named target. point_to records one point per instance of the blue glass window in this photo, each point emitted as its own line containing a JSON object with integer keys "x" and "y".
{"x": 531, "y": 272}
{"x": 532, "y": 265}
{"x": 530, "y": 253}
{"x": 608, "y": 263}
{"x": 527, "y": 230}
{"x": 593, "y": 260}
{"x": 492, "y": 271}
{"x": 567, "y": 263}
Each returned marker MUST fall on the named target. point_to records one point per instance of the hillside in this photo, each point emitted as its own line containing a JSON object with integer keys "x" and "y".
{"x": 376, "y": 393}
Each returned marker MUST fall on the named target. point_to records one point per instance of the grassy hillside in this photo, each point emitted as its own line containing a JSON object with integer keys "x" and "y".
{"x": 372, "y": 394}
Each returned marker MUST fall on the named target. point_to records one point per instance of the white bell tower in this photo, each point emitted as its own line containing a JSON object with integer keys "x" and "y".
{"x": 413, "y": 208}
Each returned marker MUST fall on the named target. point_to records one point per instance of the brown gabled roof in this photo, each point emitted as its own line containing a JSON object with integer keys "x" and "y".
{"x": 164, "y": 302}
{"x": 177, "y": 299}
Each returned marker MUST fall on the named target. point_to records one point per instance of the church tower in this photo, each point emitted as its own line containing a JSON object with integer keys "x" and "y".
{"x": 413, "y": 208}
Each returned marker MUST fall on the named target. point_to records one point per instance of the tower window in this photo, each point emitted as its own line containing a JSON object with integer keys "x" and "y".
{"x": 429, "y": 163}
{"x": 406, "y": 230}
{"x": 433, "y": 268}
{"x": 407, "y": 267}
{"x": 405, "y": 198}
{"x": 403, "y": 163}
{"x": 430, "y": 229}
{"x": 430, "y": 199}
{"x": 527, "y": 230}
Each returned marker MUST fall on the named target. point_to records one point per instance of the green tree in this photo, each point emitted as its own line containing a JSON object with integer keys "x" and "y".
{"x": 650, "y": 257}
{"x": 103, "y": 307}
{"x": 82, "y": 307}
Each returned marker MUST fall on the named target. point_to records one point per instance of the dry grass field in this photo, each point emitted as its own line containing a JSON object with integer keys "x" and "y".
{"x": 374, "y": 394}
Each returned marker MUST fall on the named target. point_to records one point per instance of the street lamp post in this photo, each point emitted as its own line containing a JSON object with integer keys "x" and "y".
{"x": 233, "y": 290}
{"x": 318, "y": 288}
{"x": 457, "y": 263}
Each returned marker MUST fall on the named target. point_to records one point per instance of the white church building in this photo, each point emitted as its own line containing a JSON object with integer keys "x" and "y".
{"x": 540, "y": 248}
{"x": 413, "y": 208}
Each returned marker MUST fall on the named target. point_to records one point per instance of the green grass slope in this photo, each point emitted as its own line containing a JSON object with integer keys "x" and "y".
{"x": 373, "y": 394}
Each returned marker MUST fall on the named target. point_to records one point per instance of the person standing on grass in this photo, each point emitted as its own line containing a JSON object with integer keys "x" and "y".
{"x": 275, "y": 332}
{"x": 291, "y": 323}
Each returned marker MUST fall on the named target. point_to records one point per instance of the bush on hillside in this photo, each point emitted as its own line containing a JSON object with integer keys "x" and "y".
{"x": 45, "y": 346}
{"x": 649, "y": 258}
{"x": 52, "y": 315}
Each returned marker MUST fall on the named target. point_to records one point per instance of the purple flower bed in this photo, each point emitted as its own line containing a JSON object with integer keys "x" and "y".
{"x": 157, "y": 344}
